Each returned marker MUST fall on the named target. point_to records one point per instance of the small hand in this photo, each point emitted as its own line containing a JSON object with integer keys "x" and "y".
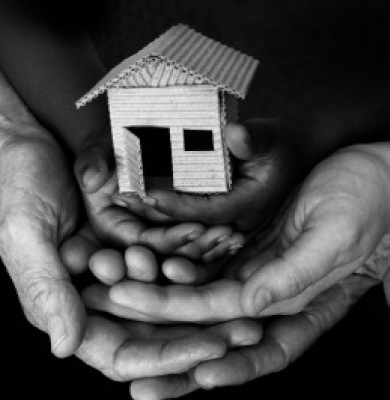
{"x": 267, "y": 164}
{"x": 115, "y": 225}
{"x": 38, "y": 209}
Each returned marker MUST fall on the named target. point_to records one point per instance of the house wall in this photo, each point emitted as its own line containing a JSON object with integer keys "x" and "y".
{"x": 177, "y": 108}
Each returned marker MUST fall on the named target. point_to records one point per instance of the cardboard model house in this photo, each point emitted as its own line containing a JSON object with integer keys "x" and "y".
{"x": 169, "y": 104}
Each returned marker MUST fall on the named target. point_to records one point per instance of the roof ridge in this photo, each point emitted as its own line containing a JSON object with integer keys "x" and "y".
{"x": 175, "y": 42}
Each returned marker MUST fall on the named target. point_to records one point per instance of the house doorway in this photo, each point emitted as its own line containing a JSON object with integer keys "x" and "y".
{"x": 156, "y": 156}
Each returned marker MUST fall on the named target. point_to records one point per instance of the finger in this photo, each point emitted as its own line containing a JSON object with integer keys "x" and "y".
{"x": 168, "y": 239}
{"x": 108, "y": 266}
{"x": 206, "y": 242}
{"x": 93, "y": 165}
{"x": 238, "y": 141}
{"x": 96, "y": 297}
{"x": 310, "y": 258}
{"x": 142, "y": 208}
{"x": 117, "y": 226}
{"x": 208, "y": 209}
{"x": 163, "y": 387}
{"x": 141, "y": 264}
{"x": 181, "y": 271}
{"x": 140, "y": 358}
{"x": 109, "y": 347}
{"x": 213, "y": 302}
{"x": 48, "y": 298}
{"x": 236, "y": 333}
{"x": 78, "y": 249}
{"x": 300, "y": 302}
{"x": 230, "y": 246}
{"x": 286, "y": 339}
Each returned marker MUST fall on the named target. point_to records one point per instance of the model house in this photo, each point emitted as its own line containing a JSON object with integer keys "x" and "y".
{"x": 169, "y": 104}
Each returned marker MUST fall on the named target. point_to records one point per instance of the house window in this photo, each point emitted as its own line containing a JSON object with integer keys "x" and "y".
{"x": 198, "y": 140}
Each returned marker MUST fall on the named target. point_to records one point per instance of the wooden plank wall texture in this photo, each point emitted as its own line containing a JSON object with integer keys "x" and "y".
{"x": 178, "y": 108}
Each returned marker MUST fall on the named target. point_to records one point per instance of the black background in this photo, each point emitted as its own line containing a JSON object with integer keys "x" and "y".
{"x": 298, "y": 42}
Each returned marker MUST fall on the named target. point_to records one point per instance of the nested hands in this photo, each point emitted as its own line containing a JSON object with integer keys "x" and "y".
{"x": 327, "y": 231}
{"x": 116, "y": 225}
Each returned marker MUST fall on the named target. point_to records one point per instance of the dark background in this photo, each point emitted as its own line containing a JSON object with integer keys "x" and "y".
{"x": 300, "y": 43}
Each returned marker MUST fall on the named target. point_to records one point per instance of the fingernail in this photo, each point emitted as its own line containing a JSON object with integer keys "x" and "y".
{"x": 234, "y": 249}
{"x": 222, "y": 238}
{"x": 262, "y": 299}
{"x": 247, "y": 342}
{"x": 88, "y": 174}
{"x": 194, "y": 236}
{"x": 213, "y": 357}
{"x": 120, "y": 203}
{"x": 57, "y": 333}
{"x": 150, "y": 201}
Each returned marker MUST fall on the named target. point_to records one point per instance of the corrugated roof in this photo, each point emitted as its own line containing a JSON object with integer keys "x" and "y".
{"x": 222, "y": 66}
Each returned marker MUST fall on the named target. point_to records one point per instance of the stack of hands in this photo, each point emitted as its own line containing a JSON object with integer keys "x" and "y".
{"x": 302, "y": 251}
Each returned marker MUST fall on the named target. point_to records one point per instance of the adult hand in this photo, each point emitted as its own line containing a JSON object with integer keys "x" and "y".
{"x": 38, "y": 209}
{"x": 126, "y": 350}
{"x": 285, "y": 339}
{"x": 334, "y": 224}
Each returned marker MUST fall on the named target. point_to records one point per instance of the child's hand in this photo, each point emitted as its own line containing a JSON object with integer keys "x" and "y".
{"x": 268, "y": 163}
{"x": 116, "y": 225}
{"x": 109, "y": 266}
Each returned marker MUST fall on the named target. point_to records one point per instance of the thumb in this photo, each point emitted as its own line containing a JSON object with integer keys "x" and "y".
{"x": 254, "y": 138}
{"x": 94, "y": 162}
{"x": 310, "y": 258}
{"x": 91, "y": 170}
{"x": 49, "y": 300}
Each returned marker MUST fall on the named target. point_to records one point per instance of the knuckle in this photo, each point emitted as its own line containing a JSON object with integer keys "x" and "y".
{"x": 252, "y": 370}
{"x": 293, "y": 284}
{"x": 39, "y": 295}
{"x": 282, "y": 357}
{"x": 295, "y": 307}
{"x": 165, "y": 351}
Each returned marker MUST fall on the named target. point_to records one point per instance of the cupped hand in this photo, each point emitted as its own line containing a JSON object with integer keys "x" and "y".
{"x": 38, "y": 209}
{"x": 116, "y": 225}
{"x": 285, "y": 339}
{"x": 267, "y": 163}
{"x": 326, "y": 233}
{"x": 125, "y": 350}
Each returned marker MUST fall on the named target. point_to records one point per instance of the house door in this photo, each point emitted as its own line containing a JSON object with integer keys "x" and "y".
{"x": 156, "y": 156}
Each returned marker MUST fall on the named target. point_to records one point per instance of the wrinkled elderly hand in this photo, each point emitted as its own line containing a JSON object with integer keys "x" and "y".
{"x": 126, "y": 350}
{"x": 335, "y": 222}
{"x": 38, "y": 209}
{"x": 285, "y": 339}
